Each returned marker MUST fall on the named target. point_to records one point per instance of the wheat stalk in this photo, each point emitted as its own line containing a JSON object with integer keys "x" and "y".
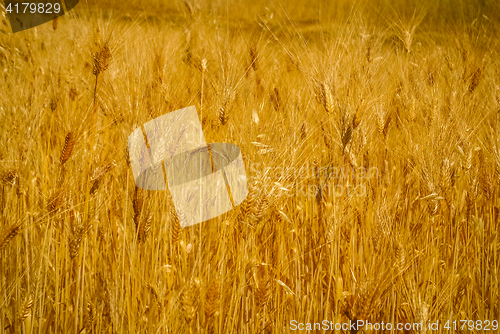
{"x": 9, "y": 234}
{"x": 189, "y": 305}
{"x": 69, "y": 143}
{"x": 26, "y": 309}
{"x": 213, "y": 300}
{"x": 175, "y": 226}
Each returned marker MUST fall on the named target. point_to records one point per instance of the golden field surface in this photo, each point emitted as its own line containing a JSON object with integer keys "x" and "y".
{"x": 369, "y": 130}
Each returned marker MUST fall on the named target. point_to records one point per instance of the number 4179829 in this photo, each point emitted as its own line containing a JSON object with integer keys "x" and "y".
{"x": 471, "y": 325}
{"x": 31, "y": 7}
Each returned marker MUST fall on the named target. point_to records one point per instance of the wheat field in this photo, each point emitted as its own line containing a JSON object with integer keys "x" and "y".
{"x": 369, "y": 131}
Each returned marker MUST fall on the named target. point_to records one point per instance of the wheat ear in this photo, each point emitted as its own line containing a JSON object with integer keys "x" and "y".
{"x": 69, "y": 143}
